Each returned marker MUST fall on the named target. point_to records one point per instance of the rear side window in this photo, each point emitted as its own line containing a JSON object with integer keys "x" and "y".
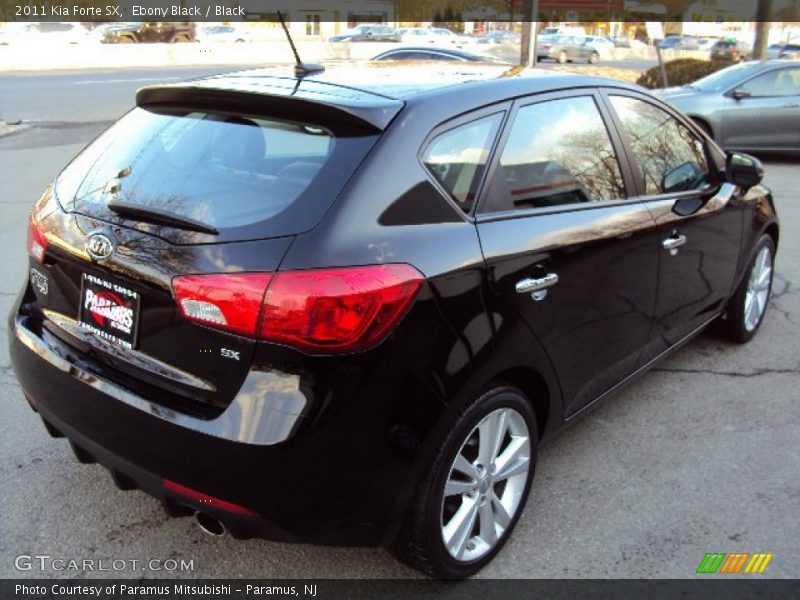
{"x": 252, "y": 175}
{"x": 670, "y": 157}
{"x": 558, "y": 152}
{"x": 457, "y": 158}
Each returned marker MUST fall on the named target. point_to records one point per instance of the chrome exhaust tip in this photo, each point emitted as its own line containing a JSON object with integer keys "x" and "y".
{"x": 209, "y": 524}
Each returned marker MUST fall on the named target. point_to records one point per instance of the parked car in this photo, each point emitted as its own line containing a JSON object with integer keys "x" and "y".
{"x": 43, "y": 33}
{"x": 564, "y": 48}
{"x": 149, "y": 31}
{"x": 574, "y": 30}
{"x": 730, "y": 50}
{"x": 447, "y": 36}
{"x": 500, "y": 37}
{"x": 621, "y": 41}
{"x": 752, "y": 106}
{"x": 428, "y": 35}
{"x": 347, "y": 309}
{"x": 706, "y": 44}
{"x": 426, "y": 53}
{"x": 368, "y": 32}
{"x": 603, "y": 46}
{"x": 216, "y": 33}
{"x": 790, "y": 51}
{"x": 678, "y": 42}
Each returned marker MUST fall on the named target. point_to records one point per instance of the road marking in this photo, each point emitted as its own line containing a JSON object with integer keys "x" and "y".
{"x": 94, "y": 81}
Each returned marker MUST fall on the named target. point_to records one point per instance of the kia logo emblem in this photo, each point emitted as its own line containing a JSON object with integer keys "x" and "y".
{"x": 99, "y": 246}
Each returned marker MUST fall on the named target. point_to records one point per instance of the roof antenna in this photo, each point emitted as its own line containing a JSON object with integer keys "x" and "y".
{"x": 300, "y": 68}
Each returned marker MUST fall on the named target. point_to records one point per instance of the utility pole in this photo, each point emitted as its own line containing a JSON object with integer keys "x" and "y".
{"x": 763, "y": 17}
{"x": 530, "y": 16}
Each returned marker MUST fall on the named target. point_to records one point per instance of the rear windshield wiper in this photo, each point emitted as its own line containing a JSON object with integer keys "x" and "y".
{"x": 153, "y": 215}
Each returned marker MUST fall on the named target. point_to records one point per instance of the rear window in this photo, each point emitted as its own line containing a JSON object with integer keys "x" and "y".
{"x": 246, "y": 176}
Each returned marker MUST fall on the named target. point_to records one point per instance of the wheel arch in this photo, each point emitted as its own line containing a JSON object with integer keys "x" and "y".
{"x": 536, "y": 390}
{"x": 773, "y": 231}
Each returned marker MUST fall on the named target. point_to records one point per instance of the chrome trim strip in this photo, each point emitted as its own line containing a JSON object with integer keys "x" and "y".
{"x": 662, "y": 209}
{"x": 266, "y": 410}
{"x": 134, "y": 357}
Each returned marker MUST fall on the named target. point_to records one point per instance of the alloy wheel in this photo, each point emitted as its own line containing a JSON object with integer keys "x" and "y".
{"x": 486, "y": 484}
{"x": 758, "y": 286}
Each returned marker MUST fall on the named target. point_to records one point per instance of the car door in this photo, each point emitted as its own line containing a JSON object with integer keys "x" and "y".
{"x": 699, "y": 218}
{"x": 565, "y": 247}
{"x": 763, "y": 112}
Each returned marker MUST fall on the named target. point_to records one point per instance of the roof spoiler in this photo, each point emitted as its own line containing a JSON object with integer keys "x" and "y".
{"x": 277, "y": 97}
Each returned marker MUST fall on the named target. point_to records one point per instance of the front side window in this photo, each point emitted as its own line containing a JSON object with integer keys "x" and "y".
{"x": 457, "y": 158}
{"x": 558, "y": 152}
{"x": 780, "y": 82}
{"x": 670, "y": 157}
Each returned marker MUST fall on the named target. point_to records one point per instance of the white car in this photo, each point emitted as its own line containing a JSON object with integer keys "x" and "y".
{"x": 214, "y": 33}
{"x": 603, "y": 46}
{"x": 431, "y": 35}
{"x": 418, "y": 35}
{"x": 43, "y": 33}
{"x": 447, "y": 36}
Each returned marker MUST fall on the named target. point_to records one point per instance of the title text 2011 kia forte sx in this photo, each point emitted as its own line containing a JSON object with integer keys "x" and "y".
{"x": 345, "y": 308}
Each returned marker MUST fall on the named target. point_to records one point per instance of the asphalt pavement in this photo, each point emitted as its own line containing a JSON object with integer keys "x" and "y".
{"x": 700, "y": 455}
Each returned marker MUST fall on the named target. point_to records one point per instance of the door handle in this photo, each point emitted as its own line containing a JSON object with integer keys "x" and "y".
{"x": 674, "y": 242}
{"x": 535, "y": 284}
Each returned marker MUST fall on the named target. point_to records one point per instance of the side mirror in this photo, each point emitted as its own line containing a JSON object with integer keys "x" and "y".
{"x": 743, "y": 170}
{"x": 739, "y": 94}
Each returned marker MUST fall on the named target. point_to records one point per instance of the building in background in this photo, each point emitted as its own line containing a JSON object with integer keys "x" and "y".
{"x": 318, "y": 19}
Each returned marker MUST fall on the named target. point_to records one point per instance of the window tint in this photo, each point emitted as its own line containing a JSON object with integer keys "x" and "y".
{"x": 558, "y": 152}
{"x": 457, "y": 158}
{"x": 780, "y": 82}
{"x": 670, "y": 157}
{"x": 228, "y": 171}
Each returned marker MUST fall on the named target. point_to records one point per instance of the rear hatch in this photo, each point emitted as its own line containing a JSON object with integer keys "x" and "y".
{"x": 188, "y": 184}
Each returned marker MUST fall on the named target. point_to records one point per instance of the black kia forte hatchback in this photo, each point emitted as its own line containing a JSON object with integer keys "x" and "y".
{"x": 347, "y": 308}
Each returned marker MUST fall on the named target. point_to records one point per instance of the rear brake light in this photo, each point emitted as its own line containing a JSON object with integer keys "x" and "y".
{"x": 337, "y": 310}
{"x": 37, "y": 241}
{"x": 318, "y": 311}
{"x": 227, "y": 301}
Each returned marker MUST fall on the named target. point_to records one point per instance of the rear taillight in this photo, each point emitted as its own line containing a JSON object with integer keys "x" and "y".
{"x": 228, "y": 301}
{"x": 318, "y": 311}
{"x": 37, "y": 241}
{"x": 337, "y": 310}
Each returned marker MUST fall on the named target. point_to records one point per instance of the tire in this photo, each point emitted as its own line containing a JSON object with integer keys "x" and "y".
{"x": 126, "y": 39}
{"x": 749, "y": 303}
{"x": 562, "y": 57}
{"x": 487, "y": 504}
{"x": 593, "y": 58}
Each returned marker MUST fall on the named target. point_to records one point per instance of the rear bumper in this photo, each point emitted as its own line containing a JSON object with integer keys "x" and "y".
{"x": 274, "y": 396}
{"x": 300, "y": 490}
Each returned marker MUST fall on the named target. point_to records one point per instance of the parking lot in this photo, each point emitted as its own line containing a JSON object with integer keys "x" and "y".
{"x": 698, "y": 456}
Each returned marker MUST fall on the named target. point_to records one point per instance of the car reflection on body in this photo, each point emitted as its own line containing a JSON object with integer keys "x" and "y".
{"x": 425, "y": 53}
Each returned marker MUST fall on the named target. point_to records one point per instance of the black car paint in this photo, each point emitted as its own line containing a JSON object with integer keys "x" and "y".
{"x": 374, "y": 418}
